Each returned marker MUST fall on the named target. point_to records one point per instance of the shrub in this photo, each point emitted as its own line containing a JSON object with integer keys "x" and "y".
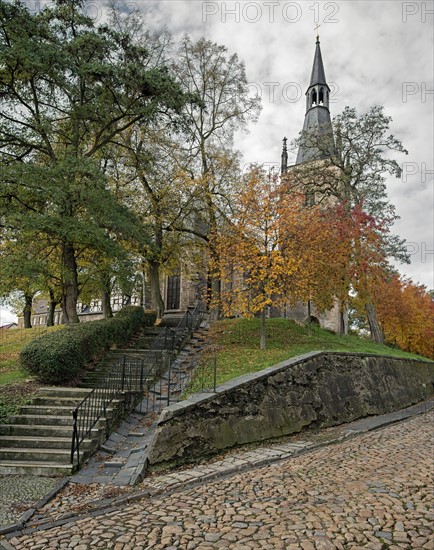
{"x": 58, "y": 357}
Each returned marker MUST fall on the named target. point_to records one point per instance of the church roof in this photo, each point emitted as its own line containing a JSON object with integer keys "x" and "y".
{"x": 316, "y": 123}
{"x": 317, "y": 134}
{"x": 318, "y": 73}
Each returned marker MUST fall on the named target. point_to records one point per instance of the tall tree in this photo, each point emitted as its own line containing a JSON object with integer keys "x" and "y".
{"x": 162, "y": 199}
{"x": 355, "y": 174}
{"x": 253, "y": 265}
{"x": 406, "y": 313}
{"x": 219, "y": 82}
{"x": 67, "y": 90}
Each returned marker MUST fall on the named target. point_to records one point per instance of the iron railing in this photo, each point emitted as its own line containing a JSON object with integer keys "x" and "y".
{"x": 166, "y": 340}
{"x": 134, "y": 380}
{"x": 171, "y": 339}
{"x": 127, "y": 380}
{"x": 176, "y": 383}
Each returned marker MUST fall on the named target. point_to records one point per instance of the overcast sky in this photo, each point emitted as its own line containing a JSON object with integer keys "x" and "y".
{"x": 374, "y": 53}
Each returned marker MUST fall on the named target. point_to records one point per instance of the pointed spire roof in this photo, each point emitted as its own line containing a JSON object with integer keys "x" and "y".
{"x": 318, "y": 73}
{"x": 317, "y": 134}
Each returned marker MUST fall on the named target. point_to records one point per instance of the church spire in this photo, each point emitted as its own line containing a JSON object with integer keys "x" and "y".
{"x": 317, "y": 134}
{"x": 284, "y": 158}
{"x": 318, "y": 73}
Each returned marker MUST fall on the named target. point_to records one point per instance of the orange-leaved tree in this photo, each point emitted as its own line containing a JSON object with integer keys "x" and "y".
{"x": 308, "y": 234}
{"x": 360, "y": 259}
{"x": 253, "y": 267}
{"x": 276, "y": 250}
{"x": 406, "y": 313}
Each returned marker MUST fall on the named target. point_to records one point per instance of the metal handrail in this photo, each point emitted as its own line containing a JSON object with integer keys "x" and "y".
{"x": 125, "y": 379}
{"x": 120, "y": 381}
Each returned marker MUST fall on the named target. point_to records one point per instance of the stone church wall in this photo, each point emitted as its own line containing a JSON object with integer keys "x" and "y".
{"x": 318, "y": 389}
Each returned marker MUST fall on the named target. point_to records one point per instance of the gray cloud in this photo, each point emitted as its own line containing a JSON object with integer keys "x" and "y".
{"x": 374, "y": 51}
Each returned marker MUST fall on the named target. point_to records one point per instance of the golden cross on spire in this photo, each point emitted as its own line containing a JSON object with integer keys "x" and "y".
{"x": 316, "y": 28}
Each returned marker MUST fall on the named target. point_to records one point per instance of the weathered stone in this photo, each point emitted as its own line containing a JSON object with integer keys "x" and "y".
{"x": 317, "y": 390}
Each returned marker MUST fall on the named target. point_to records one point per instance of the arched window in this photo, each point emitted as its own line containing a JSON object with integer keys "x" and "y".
{"x": 314, "y": 99}
{"x": 321, "y": 96}
{"x": 314, "y": 320}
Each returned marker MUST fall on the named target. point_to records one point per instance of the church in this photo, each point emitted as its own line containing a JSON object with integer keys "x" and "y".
{"x": 180, "y": 292}
{"x": 183, "y": 288}
{"x": 317, "y": 144}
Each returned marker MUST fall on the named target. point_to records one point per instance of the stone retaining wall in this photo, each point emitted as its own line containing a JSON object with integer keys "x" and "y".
{"x": 317, "y": 389}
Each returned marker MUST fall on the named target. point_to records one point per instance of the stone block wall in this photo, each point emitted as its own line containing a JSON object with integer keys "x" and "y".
{"x": 318, "y": 389}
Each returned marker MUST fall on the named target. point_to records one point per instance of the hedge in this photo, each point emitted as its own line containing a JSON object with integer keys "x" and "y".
{"x": 59, "y": 357}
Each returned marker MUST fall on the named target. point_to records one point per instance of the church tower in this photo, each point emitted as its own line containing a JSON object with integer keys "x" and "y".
{"x": 317, "y": 135}
{"x": 315, "y": 146}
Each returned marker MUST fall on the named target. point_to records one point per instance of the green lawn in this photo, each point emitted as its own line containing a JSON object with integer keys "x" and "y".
{"x": 16, "y": 386}
{"x": 11, "y": 343}
{"x": 235, "y": 347}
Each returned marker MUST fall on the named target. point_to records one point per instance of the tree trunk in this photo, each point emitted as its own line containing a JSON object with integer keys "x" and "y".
{"x": 70, "y": 284}
{"x": 106, "y": 296}
{"x": 143, "y": 290}
{"x": 263, "y": 328}
{"x": 27, "y": 311}
{"x": 157, "y": 302}
{"x": 51, "y": 309}
{"x": 106, "y": 304}
{"x": 374, "y": 326}
{"x": 341, "y": 320}
{"x": 215, "y": 297}
{"x": 214, "y": 272}
{"x": 309, "y": 319}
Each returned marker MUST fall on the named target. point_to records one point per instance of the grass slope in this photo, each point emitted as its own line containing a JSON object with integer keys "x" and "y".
{"x": 235, "y": 344}
{"x": 16, "y": 386}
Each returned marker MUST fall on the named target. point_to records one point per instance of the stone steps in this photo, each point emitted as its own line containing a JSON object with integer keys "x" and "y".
{"x": 47, "y": 410}
{"x": 38, "y": 440}
{"x": 135, "y": 353}
{"x": 68, "y": 393}
{"x": 36, "y": 420}
{"x": 20, "y": 430}
{"x": 38, "y": 468}
{"x": 60, "y": 456}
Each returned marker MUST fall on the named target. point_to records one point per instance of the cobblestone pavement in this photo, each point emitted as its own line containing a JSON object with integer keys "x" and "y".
{"x": 18, "y": 493}
{"x": 372, "y": 491}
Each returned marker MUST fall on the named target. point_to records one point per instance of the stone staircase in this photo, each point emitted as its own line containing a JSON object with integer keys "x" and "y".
{"x": 171, "y": 318}
{"x": 175, "y": 379}
{"x": 38, "y": 440}
{"x": 135, "y": 353}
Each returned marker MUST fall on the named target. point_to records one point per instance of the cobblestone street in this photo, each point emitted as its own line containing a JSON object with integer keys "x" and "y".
{"x": 374, "y": 491}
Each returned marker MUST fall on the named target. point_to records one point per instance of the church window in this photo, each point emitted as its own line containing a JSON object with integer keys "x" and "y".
{"x": 314, "y": 100}
{"x": 321, "y": 96}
